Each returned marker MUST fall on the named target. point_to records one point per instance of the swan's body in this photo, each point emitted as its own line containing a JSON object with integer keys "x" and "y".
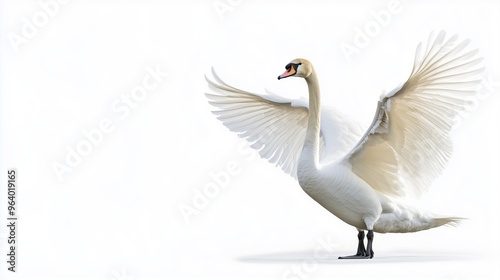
{"x": 404, "y": 150}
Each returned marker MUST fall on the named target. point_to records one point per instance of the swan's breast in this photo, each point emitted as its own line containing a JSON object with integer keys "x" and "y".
{"x": 342, "y": 193}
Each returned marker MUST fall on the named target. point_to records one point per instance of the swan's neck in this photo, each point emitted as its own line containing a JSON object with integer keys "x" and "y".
{"x": 310, "y": 151}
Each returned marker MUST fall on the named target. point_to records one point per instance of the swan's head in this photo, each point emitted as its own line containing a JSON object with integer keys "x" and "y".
{"x": 298, "y": 67}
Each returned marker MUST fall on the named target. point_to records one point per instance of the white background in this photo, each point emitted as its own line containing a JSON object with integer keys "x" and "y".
{"x": 117, "y": 215}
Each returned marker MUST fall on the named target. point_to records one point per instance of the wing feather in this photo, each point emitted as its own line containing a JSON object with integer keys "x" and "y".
{"x": 408, "y": 143}
{"x": 275, "y": 129}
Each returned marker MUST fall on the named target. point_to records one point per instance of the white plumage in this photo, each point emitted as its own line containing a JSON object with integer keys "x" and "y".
{"x": 363, "y": 179}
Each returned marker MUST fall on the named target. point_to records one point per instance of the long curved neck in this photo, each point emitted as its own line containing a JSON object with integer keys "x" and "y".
{"x": 310, "y": 151}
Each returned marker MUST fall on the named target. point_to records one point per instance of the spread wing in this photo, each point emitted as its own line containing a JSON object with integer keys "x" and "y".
{"x": 408, "y": 144}
{"x": 276, "y": 126}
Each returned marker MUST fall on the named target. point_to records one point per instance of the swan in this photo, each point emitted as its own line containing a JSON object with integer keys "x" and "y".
{"x": 363, "y": 179}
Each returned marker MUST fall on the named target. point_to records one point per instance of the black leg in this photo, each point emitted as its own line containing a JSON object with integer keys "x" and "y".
{"x": 369, "y": 245}
{"x": 361, "y": 244}
{"x": 362, "y": 253}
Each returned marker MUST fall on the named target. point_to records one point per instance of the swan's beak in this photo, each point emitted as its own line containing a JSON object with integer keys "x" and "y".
{"x": 288, "y": 73}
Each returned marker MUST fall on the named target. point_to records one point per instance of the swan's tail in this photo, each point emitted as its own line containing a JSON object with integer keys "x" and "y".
{"x": 405, "y": 218}
{"x": 414, "y": 223}
{"x": 448, "y": 221}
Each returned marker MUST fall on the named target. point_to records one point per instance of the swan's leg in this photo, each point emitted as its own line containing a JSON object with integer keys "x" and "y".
{"x": 369, "y": 249}
{"x": 361, "y": 253}
{"x": 361, "y": 243}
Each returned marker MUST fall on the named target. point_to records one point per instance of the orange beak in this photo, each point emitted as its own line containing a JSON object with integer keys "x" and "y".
{"x": 288, "y": 73}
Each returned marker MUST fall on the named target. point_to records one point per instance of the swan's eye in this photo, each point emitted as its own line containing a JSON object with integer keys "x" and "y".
{"x": 295, "y": 66}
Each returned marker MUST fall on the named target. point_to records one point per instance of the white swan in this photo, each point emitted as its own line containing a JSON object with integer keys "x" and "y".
{"x": 404, "y": 150}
